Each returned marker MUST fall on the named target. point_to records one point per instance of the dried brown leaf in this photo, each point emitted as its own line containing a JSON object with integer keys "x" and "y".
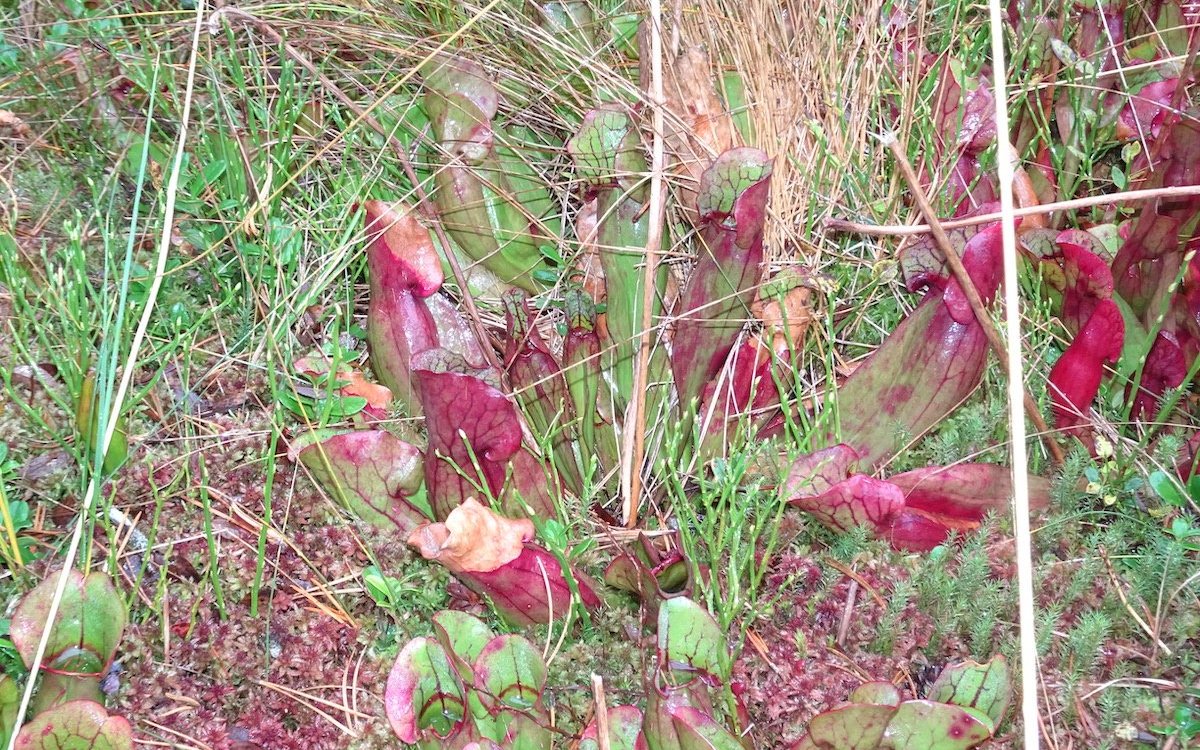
{"x": 786, "y": 314}
{"x": 473, "y": 539}
{"x": 588, "y": 270}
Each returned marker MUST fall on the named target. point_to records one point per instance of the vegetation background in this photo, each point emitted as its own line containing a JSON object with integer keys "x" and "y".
{"x": 263, "y": 615}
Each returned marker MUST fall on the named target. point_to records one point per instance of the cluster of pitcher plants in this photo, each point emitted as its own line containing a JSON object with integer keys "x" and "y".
{"x": 605, "y": 347}
{"x": 465, "y": 687}
{"x": 519, "y": 418}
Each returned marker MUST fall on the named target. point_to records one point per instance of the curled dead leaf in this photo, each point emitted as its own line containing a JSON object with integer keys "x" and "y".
{"x": 784, "y": 306}
{"x": 27, "y": 376}
{"x": 1027, "y": 197}
{"x": 12, "y": 126}
{"x": 473, "y": 539}
{"x": 588, "y": 270}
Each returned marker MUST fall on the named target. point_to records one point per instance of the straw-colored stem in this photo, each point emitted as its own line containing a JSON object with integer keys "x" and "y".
{"x": 657, "y": 210}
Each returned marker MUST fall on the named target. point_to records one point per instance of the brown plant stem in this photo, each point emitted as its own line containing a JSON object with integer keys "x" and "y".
{"x": 602, "y": 738}
{"x": 1118, "y": 586}
{"x": 424, "y": 205}
{"x": 969, "y": 290}
{"x": 657, "y": 208}
{"x": 894, "y": 230}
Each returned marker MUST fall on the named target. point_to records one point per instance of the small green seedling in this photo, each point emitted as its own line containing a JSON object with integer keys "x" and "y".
{"x": 1184, "y": 726}
{"x": 1186, "y": 533}
{"x": 397, "y": 595}
{"x": 1171, "y": 492}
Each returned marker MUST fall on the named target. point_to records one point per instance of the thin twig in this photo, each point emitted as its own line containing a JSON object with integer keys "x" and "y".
{"x": 895, "y": 230}
{"x": 657, "y": 208}
{"x": 424, "y": 204}
{"x": 969, "y": 290}
{"x": 174, "y": 744}
{"x": 1022, "y": 531}
{"x": 1116, "y": 582}
{"x": 309, "y": 702}
{"x": 847, "y": 614}
{"x": 857, "y": 577}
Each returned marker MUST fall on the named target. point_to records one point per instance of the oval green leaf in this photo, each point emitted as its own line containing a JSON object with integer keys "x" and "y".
{"x": 423, "y": 696}
{"x": 78, "y": 725}
{"x": 689, "y": 640}
{"x": 985, "y": 687}
{"x": 510, "y": 672}
{"x": 90, "y": 618}
{"x": 925, "y": 725}
{"x": 854, "y": 727}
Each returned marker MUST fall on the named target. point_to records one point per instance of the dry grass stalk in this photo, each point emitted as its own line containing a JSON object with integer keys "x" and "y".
{"x": 801, "y": 79}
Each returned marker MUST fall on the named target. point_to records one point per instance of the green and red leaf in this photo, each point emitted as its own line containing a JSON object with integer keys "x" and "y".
{"x": 876, "y": 693}
{"x": 538, "y": 386}
{"x": 852, "y": 727}
{"x": 697, "y": 730}
{"x": 87, "y": 627}
{"x": 690, "y": 643}
{"x": 985, "y": 687}
{"x": 531, "y": 588}
{"x": 1087, "y": 278}
{"x": 925, "y": 725}
{"x": 463, "y": 637}
{"x": 475, "y": 441}
{"x": 510, "y": 674}
{"x": 859, "y": 500}
{"x": 404, "y": 269}
{"x": 77, "y": 725}
{"x": 1075, "y": 377}
{"x": 624, "y": 731}
{"x": 377, "y": 476}
{"x": 1150, "y": 258}
{"x": 715, "y": 304}
{"x": 926, "y": 367}
{"x": 424, "y": 698}
{"x": 966, "y": 491}
{"x": 475, "y": 196}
